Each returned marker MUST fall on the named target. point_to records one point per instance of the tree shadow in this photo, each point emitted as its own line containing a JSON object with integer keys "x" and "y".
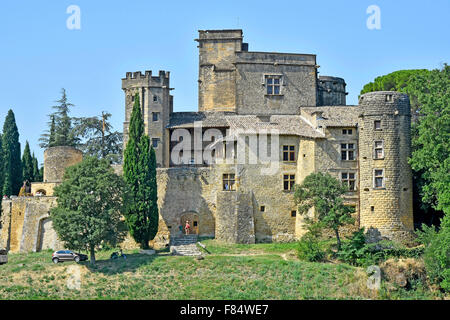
{"x": 132, "y": 262}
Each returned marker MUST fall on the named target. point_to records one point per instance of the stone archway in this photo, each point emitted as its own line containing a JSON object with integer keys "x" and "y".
{"x": 193, "y": 219}
{"x": 47, "y": 236}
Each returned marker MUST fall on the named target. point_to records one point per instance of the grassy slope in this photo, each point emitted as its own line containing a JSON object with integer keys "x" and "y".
{"x": 261, "y": 271}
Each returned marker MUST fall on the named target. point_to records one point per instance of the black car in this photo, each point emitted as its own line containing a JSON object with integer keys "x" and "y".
{"x": 67, "y": 255}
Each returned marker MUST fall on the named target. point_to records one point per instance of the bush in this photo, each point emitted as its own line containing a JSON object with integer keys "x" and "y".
{"x": 309, "y": 248}
{"x": 437, "y": 252}
{"x": 357, "y": 252}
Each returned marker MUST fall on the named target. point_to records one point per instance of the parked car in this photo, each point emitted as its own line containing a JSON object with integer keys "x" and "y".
{"x": 3, "y": 256}
{"x": 67, "y": 255}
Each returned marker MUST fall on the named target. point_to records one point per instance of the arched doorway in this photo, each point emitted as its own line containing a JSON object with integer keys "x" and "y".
{"x": 193, "y": 219}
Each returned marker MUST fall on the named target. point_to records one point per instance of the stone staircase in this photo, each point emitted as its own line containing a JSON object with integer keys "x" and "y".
{"x": 185, "y": 245}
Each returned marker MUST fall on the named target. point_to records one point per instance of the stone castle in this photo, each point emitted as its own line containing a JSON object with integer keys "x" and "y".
{"x": 214, "y": 168}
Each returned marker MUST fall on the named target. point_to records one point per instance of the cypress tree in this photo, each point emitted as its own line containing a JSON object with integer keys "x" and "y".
{"x": 11, "y": 156}
{"x": 2, "y": 167}
{"x": 27, "y": 164}
{"x": 139, "y": 169}
{"x": 36, "y": 174}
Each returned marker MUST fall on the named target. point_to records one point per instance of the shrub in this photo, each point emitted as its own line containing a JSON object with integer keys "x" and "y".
{"x": 357, "y": 252}
{"x": 309, "y": 248}
{"x": 437, "y": 252}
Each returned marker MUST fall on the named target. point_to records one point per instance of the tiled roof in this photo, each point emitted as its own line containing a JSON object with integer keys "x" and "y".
{"x": 209, "y": 119}
{"x": 336, "y": 116}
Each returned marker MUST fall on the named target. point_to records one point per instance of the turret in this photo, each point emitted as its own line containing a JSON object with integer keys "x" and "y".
{"x": 157, "y": 106}
{"x": 385, "y": 175}
{"x": 331, "y": 91}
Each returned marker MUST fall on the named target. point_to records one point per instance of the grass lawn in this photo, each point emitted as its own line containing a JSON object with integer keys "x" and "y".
{"x": 260, "y": 271}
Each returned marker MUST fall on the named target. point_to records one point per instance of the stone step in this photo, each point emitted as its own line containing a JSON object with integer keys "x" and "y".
{"x": 185, "y": 250}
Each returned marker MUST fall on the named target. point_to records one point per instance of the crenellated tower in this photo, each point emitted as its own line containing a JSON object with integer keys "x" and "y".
{"x": 157, "y": 106}
{"x": 385, "y": 174}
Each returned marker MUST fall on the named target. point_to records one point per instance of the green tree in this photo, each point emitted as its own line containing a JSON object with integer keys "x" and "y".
{"x": 90, "y": 201}
{"x": 60, "y": 131}
{"x": 139, "y": 170}
{"x": 36, "y": 172}
{"x": 324, "y": 193}
{"x": 431, "y": 147}
{"x": 12, "y": 164}
{"x": 98, "y": 139}
{"x": 27, "y": 164}
{"x": 2, "y": 167}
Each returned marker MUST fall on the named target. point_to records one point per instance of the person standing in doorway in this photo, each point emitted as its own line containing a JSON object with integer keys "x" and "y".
{"x": 187, "y": 227}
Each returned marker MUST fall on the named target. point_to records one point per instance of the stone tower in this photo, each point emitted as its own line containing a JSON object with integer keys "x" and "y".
{"x": 331, "y": 91}
{"x": 217, "y": 72}
{"x": 385, "y": 175}
{"x": 157, "y": 106}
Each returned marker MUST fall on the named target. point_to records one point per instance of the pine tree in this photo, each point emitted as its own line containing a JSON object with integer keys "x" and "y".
{"x": 11, "y": 156}
{"x": 140, "y": 174}
{"x": 27, "y": 164}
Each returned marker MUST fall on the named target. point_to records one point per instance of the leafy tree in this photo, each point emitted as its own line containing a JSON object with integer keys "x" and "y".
{"x": 140, "y": 174}
{"x": 431, "y": 147}
{"x": 437, "y": 252}
{"x": 90, "y": 200}
{"x": 61, "y": 131}
{"x": 27, "y": 164}
{"x": 12, "y": 164}
{"x": 309, "y": 245}
{"x": 98, "y": 139}
{"x": 324, "y": 193}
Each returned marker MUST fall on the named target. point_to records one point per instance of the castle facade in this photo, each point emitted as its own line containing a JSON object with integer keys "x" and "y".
{"x": 265, "y": 121}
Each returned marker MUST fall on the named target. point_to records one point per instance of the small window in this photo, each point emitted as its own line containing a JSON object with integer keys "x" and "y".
{"x": 389, "y": 98}
{"x": 155, "y": 98}
{"x": 155, "y": 142}
{"x": 348, "y": 151}
{"x": 377, "y": 125}
{"x": 228, "y": 180}
{"x": 288, "y": 153}
{"x": 293, "y": 213}
{"x": 372, "y": 208}
{"x": 132, "y": 98}
{"x": 155, "y": 116}
{"x": 378, "y": 178}
{"x": 288, "y": 181}
{"x": 273, "y": 85}
{"x": 378, "y": 150}
{"x": 347, "y": 131}
{"x": 349, "y": 179}
{"x": 262, "y": 208}
{"x": 195, "y": 223}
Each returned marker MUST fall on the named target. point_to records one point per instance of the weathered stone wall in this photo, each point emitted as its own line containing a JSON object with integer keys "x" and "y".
{"x": 331, "y": 91}
{"x": 25, "y": 224}
{"x": 57, "y": 159}
{"x": 298, "y": 82}
{"x": 388, "y": 209}
{"x": 47, "y": 187}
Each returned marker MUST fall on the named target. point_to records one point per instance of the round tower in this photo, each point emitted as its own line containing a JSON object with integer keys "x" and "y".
{"x": 385, "y": 175}
{"x": 57, "y": 159}
{"x": 331, "y": 91}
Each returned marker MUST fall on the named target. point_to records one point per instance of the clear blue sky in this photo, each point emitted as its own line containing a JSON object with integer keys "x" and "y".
{"x": 39, "y": 55}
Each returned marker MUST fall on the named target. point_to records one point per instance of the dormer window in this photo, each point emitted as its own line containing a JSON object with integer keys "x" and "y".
{"x": 273, "y": 85}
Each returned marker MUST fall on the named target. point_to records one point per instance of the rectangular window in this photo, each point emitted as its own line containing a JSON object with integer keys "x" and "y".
{"x": 293, "y": 213}
{"x": 349, "y": 179}
{"x": 348, "y": 151}
{"x": 288, "y": 153}
{"x": 347, "y": 131}
{"x": 273, "y": 85}
{"x": 155, "y": 98}
{"x": 288, "y": 181}
{"x": 377, "y": 125}
{"x": 228, "y": 181}
{"x": 155, "y": 116}
{"x": 155, "y": 142}
{"x": 378, "y": 150}
{"x": 262, "y": 208}
{"x": 378, "y": 178}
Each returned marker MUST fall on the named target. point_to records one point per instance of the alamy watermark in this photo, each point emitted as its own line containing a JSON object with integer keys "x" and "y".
{"x": 374, "y": 20}
{"x": 73, "y": 22}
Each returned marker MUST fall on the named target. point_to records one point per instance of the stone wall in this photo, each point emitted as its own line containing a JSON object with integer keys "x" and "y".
{"x": 57, "y": 159}
{"x": 331, "y": 91}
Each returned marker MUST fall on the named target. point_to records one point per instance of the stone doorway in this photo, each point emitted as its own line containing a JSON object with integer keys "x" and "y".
{"x": 193, "y": 219}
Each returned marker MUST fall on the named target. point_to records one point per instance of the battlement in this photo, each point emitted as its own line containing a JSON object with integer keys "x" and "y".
{"x": 137, "y": 79}
{"x": 385, "y": 102}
